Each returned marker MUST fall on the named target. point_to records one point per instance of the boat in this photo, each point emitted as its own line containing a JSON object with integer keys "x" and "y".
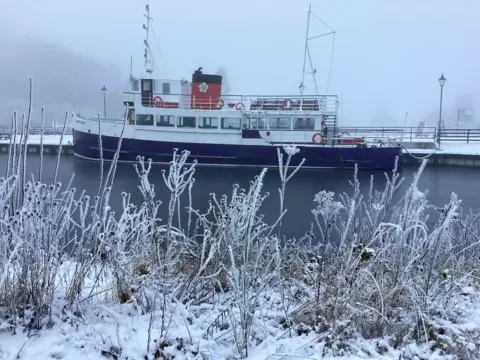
{"x": 163, "y": 116}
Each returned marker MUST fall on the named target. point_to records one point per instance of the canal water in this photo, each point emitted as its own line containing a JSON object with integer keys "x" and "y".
{"x": 439, "y": 181}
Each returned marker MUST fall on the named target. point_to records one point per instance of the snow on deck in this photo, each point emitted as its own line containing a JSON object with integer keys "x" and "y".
{"x": 47, "y": 140}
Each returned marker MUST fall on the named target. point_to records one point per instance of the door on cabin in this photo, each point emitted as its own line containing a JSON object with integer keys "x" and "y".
{"x": 147, "y": 92}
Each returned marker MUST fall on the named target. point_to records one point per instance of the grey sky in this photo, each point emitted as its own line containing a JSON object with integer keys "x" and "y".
{"x": 388, "y": 54}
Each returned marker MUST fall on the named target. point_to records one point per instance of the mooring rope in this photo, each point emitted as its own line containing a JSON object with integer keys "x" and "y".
{"x": 418, "y": 157}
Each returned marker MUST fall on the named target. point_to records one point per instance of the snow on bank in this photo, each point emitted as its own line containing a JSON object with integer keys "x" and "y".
{"x": 102, "y": 329}
{"x": 450, "y": 149}
{"x": 47, "y": 140}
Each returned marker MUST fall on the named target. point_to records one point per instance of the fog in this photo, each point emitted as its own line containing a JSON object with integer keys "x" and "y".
{"x": 387, "y": 55}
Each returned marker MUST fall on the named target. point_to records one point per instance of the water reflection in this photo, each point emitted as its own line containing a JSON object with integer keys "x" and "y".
{"x": 300, "y": 191}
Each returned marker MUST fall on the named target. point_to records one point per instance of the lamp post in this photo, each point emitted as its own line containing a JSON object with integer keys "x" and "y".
{"x": 442, "y": 82}
{"x": 104, "y": 91}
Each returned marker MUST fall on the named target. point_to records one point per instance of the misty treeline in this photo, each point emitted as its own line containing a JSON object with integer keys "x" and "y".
{"x": 388, "y": 277}
{"x": 65, "y": 80}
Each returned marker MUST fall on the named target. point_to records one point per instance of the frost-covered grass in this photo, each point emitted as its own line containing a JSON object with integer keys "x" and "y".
{"x": 80, "y": 281}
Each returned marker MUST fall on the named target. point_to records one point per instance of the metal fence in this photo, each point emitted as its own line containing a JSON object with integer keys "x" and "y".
{"x": 414, "y": 134}
{"x": 6, "y": 132}
{"x": 460, "y": 135}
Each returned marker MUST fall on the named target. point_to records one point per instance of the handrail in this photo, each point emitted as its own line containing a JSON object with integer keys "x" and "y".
{"x": 38, "y": 131}
{"x": 290, "y": 96}
{"x": 309, "y": 103}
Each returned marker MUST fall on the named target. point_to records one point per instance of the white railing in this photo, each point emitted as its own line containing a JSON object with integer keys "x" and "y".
{"x": 280, "y": 103}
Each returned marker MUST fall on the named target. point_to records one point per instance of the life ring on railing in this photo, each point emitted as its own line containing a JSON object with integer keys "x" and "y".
{"x": 287, "y": 104}
{"x": 318, "y": 138}
{"x": 157, "y": 101}
{"x": 220, "y": 104}
{"x": 239, "y": 106}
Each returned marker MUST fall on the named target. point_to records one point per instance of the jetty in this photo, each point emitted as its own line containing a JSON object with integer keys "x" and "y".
{"x": 35, "y": 142}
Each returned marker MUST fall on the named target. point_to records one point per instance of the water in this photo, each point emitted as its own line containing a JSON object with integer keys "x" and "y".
{"x": 439, "y": 182}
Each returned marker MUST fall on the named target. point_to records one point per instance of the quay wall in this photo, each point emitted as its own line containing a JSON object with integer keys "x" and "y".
{"x": 67, "y": 149}
{"x": 413, "y": 158}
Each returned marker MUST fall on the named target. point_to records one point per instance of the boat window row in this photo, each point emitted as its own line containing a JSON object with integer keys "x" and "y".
{"x": 229, "y": 123}
{"x": 158, "y": 85}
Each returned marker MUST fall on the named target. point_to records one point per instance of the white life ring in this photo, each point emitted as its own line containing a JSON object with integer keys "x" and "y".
{"x": 157, "y": 101}
{"x": 287, "y": 103}
{"x": 318, "y": 138}
{"x": 220, "y": 104}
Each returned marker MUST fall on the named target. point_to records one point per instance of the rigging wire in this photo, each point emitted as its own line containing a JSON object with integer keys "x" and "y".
{"x": 332, "y": 32}
{"x": 159, "y": 52}
{"x": 331, "y": 64}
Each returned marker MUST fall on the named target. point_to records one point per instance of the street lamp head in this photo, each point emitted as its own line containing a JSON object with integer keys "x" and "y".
{"x": 442, "y": 80}
{"x": 104, "y": 89}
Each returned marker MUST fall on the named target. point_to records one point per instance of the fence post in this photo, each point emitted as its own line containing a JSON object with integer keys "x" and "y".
{"x": 468, "y": 135}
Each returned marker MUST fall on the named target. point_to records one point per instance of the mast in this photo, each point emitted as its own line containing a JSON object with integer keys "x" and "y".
{"x": 307, "y": 53}
{"x": 302, "y": 84}
{"x": 148, "y": 51}
{"x": 131, "y": 68}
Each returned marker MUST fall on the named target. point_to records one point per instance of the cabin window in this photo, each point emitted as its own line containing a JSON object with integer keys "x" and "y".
{"x": 166, "y": 88}
{"x": 304, "y": 124}
{"x": 166, "y": 120}
{"x": 144, "y": 120}
{"x": 280, "y": 123}
{"x": 208, "y": 122}
{"x": 131, "y": 116}
{"x": 231, "y": 123}
{"x": 135, "y": 85}
{"x": 256, "y": 123}
{"x": 146, "y": 85}
{"x": 186, "y": 121}
{"x": 261, "y": 123}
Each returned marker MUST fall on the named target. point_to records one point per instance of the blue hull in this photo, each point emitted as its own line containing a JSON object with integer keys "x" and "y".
{"x": 86, "y": 145}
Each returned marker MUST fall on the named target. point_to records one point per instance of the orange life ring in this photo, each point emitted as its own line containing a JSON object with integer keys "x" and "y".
{"x": 239, "y": 106}
{"x": 315, "y": 138}
{"x": 157, "y": 101}
{"x": 220, "y": 104}
{"x": 287, "y": 103}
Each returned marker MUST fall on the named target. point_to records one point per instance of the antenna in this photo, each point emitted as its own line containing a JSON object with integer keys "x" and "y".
{"x": 307, "y": 53}
{"x": 148, "y": 51}
{"x": 131, "y": 68}
{"x": 302, "y": 85}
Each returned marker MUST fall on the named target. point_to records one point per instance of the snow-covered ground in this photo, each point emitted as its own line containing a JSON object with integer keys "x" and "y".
{"x": 454, "y": 148}
{"x": 100, "y": 329}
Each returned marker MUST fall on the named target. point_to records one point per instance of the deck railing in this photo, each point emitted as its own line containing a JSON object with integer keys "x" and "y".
{"x": 310, "y": 103}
